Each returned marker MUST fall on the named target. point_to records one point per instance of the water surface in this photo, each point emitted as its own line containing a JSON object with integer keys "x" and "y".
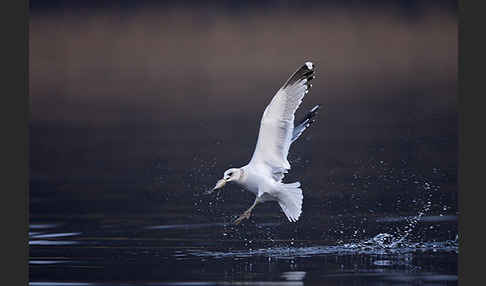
{"x": 137, "y": 111}
{"x": 146, "y": 251}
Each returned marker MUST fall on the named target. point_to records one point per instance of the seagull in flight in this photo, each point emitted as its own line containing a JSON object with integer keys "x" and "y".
{"x": 264, "y": 173}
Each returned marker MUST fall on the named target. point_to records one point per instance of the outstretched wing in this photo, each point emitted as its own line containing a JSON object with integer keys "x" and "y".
{"x": 277, "y": 124}
{"x": 305, "y": 123}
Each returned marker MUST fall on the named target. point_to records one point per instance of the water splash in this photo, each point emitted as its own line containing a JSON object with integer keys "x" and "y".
{"x": 385, "y": 243}
{"x": 381, "y": 244}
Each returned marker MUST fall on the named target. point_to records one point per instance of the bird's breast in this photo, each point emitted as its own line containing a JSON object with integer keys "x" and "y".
{"x": 250, "y": 186}
{"x": 253, "y": 182}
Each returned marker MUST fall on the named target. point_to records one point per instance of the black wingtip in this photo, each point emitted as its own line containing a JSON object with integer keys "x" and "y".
{"x": 312, "y": 112}
{"x": 308, "y": 117}
{"x": 306, "y": 71}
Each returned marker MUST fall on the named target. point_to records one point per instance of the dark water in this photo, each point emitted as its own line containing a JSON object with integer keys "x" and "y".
{"x": 136, "y": 112}
{"x": 329, "y": 250}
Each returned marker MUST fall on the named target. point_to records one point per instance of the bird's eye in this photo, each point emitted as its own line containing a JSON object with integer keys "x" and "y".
{"x": 230, "y": 174}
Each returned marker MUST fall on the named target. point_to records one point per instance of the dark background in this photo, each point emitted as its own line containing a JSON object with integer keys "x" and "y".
{"x": 139, "y": 108}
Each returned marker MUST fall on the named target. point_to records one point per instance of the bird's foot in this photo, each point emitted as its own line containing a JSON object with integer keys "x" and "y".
{"x": 243, "y": 216}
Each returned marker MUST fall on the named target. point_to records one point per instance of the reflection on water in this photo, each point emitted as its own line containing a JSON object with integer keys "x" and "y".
{"x": 36, "y": 261}
{"x": 129, "y": 128}
{"x": 50, "y": 242}
{"x": 294, "y": 275}
{"x": 51, "y": 235}
{"x": 200, "y": 246}
{"x": 425, "y": 219}
{"x": 43, "y": 226}
{"x": 185, "y": 226}
{"x": 346, "y": 249}
{"x": 86, "y": 252}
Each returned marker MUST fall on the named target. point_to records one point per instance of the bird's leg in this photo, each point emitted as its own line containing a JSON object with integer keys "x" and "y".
{"x": 247, "y": 213}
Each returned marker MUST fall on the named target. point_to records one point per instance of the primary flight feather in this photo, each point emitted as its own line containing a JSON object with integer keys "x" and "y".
{"x": 264, "y": 173}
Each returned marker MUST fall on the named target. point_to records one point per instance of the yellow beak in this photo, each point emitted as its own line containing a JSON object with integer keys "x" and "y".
{"x": 219, "y": 185}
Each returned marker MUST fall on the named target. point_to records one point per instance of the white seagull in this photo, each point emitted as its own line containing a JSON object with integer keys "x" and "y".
{"x": 264, "y": 173}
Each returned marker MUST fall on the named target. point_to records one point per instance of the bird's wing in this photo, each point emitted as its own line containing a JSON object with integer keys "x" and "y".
{"x": 277, "y": 124}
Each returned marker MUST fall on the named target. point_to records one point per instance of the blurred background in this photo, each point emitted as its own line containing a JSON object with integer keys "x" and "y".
{"x": 140, "y": 106}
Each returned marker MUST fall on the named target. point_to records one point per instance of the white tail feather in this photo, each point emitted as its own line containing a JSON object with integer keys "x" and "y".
{"x": 290, "y": 200}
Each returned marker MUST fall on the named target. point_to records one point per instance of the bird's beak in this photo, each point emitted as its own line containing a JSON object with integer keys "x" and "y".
{"x": 218, "y": 185}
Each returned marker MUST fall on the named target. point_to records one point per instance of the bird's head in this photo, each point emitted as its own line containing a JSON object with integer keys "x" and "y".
{"x": 232, "y": 174}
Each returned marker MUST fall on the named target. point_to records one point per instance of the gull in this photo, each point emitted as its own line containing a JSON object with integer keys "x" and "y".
{"x": 264, "y": 173}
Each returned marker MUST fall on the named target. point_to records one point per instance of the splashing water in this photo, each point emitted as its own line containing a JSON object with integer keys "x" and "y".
{"x": 384, "y": 243}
